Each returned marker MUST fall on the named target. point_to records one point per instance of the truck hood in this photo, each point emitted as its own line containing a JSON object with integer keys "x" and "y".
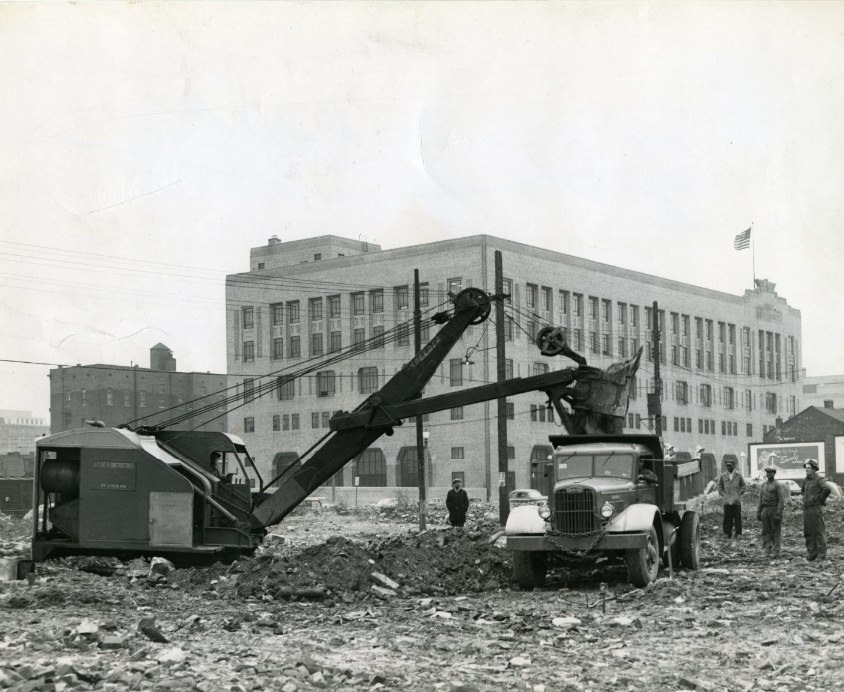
{"x": 604, "y": 486}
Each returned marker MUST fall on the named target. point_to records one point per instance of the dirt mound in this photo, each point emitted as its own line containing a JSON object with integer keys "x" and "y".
{"x": 435, "y": 562}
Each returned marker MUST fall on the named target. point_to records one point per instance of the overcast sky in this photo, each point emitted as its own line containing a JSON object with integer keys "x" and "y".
{"x": 146, "y": 147}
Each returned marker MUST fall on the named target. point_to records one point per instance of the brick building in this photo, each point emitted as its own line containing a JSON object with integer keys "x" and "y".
{"x": 730, "y": 364}
{"x": 118, "y": 394}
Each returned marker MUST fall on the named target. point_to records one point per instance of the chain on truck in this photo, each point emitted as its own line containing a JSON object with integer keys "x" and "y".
{"x": 149, "y": 490}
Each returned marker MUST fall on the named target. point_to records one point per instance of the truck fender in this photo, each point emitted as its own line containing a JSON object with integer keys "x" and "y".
{"x": 638, "y": 517}
{"x": 524, "y": 519}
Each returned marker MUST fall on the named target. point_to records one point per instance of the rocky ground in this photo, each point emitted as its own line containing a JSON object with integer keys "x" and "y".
{"x": 363, "y": 600}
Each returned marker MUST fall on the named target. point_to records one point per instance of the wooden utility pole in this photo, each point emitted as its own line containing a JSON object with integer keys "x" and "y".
{"x": 503, "y": 490}
{"x": 420, "y": 442}
{"x": 657, "y": 381}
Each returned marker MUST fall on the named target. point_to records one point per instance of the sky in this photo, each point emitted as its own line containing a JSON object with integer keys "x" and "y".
{"x": 146, "y": 147}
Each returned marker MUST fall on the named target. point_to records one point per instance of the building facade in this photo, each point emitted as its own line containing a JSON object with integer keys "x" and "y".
{"x": 19, "y": 430}
{"x": 826, "y": 391}
{"x": 729, "y": 364}
{"x": 120, "y": 394}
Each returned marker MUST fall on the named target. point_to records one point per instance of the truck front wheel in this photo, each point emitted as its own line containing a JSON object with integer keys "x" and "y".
{"x": 643, "y": 563}
{"x": 690, "y": 540}
{"x": 529, "y": 568}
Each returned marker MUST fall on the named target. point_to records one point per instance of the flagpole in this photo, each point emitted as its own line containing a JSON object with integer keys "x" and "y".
{"x": 753, "y": 254}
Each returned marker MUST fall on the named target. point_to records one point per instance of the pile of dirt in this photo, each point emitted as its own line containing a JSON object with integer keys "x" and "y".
{"x": 435, "y": 562}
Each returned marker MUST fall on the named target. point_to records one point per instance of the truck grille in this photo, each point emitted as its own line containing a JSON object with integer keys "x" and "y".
{"x": 574, "y": 511}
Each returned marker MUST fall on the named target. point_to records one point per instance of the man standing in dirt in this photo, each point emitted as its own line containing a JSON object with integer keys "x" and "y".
{"x": 815, "y": 492}
{"x": 457, "y": 503}
{"x": 771, "y": 505}
{"x": 731, "y": 487}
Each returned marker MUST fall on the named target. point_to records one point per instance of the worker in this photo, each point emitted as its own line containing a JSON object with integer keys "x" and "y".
{"x": 646, "y": 474}
{"x": 214, "y": 465}
{"x": 815, "y": 492}
{"x": 731, "y": 487}
{"x": 771, "y": 505}
{"x": 457, "y": 503}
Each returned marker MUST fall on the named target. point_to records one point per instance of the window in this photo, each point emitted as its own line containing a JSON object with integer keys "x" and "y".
{"x": 248, "y": 351}
{"x": 540, "y": 368}
{"x": 593, "y": 342}
{"x": 455, "y": 285}
{"x": 249, "y": 424}
{"x": 276, "y": 423}
{"x": 577, "y": 307}
{"x": 403, "y": 334}
{"x": 142, "y": 398}
{"x": 371, "y": 468}
{"x": 457, "y": 413}
{"x": 109, "y": 398}
{"x": 314, "y": 419}
{"x": 293, "y": 311}
{"x": 286, "y": 387}
{"x": 294, "y": 421}
{"x": 335, "y": 342}
{"x": 508, "y": 368}
{"x": 376, "y": 300}
{"x": 508, "y": 328}
{"x": 316, "y": 344}
{"x": 622, "y": 314}
{"x": 510, "y": 410}
{"x": 317, "y": 256}
{"x": 326, "y": 416}
{"x": 705, "y": 395}
{"x": 530, "y": 295}
{"x": 423, "y": 295}
{"x": 729, "y": 397}
{"x": 564, "y": 302}
{"x": 683, "y": 392}
{"x": 285, "y": 422}
{"x": 127, "y": 397}
{"x": 358, "y": 304}
{"x": 401, "y": 297}
{"x": 325, "y": 383}
{"x": 378, "y": 337}
{"x": 770, "y": 402}
{"x": 278, "y": 348}
{"x": 293, "y": 350}
{"x": 358, "y": 336}
{"x": 333, "y": 307}
{"x": 634, "y": 318}
{"x": 315, "y": 309}
{"x": 605, "y": 345}
{"x": 457, "y": 453}
{"x": 455, "y": 367}
{"x": 277, "y": 313}
{"x": 749, "y": 430}
{"x": 606, "y": 311}
{"x": 248, "y": 314}
{"x": 545, "y": 299}
{"x": 532, "y": 330}
{"x": 368, "y": 380}
{"x": 593, "y": 308}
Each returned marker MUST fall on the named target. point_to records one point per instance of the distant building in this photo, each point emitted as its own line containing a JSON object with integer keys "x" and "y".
{"x": 118, "y": 394}
{"x": 824, "y": 392}
{"x": 19, "y": 430}
{"x": 730, "y": 364}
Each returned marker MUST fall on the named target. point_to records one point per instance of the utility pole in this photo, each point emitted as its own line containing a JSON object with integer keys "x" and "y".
{"x": 503, "y": 497}
{"x": 657, "y": 409}
{"x": 420, "y": 442}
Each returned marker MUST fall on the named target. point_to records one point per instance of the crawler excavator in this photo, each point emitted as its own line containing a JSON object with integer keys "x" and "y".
{"x": 149, "y": 490}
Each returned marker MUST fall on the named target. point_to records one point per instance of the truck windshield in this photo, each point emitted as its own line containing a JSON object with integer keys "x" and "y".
{"x": 595, "y": 465}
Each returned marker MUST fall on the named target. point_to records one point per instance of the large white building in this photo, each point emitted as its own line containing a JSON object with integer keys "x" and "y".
{"x": 730, "y": 364}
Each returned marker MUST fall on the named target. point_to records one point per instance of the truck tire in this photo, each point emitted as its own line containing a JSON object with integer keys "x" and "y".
{"x": 690, "y": 540}
{"x": 643, "y": 563}
{"x": 529, "y": 568}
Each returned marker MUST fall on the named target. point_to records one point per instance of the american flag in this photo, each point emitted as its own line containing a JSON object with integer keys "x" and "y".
{"x": 742, "y": 241}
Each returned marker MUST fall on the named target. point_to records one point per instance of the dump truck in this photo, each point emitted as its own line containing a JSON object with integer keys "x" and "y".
{"x": 616, "y": 497}
{"x": 150, "y": 490}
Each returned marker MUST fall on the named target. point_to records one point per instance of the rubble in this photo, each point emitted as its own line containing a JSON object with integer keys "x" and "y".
{"x": 382, "y": 605}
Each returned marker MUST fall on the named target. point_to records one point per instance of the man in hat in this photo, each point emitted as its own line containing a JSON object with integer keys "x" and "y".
{"x": 731, "y": 487}
{"x": 457, "y": 503}
{"x": 771, "y": 505}
{"x": 815, "y": 492}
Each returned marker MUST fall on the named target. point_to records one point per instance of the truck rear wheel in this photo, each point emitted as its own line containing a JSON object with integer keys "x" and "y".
{"x": 643, "y": 563}
{"x": 529, "y": 568}
{"x": 690, "y": 540}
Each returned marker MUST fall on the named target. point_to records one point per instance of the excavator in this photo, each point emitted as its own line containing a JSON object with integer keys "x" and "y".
{"x": 122, "y": 491}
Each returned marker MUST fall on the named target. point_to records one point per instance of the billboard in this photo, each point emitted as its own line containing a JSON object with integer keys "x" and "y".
{"x": 786, "y": 457}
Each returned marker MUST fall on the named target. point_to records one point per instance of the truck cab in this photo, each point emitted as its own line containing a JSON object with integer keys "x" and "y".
{"x": 612, "y": 496}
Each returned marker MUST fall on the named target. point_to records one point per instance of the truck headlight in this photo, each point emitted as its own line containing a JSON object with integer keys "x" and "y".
{"x": 607, "y": 510}
{"x": 545, "y": 512}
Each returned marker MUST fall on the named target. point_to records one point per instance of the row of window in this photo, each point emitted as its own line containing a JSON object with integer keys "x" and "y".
{"x": 705, "y": 426}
